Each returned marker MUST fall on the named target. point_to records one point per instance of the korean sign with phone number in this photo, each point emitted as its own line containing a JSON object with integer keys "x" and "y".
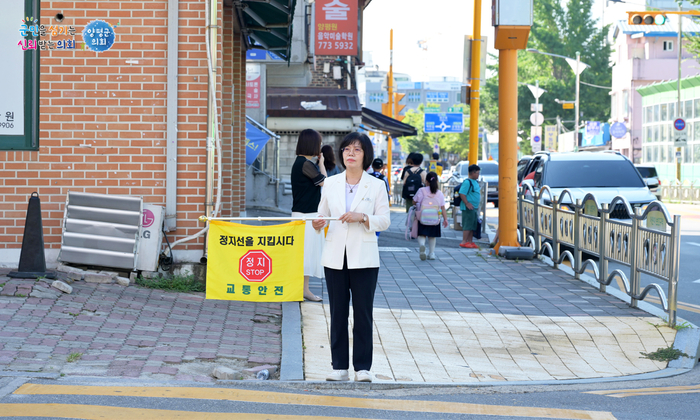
{"x": 336, "y": 27}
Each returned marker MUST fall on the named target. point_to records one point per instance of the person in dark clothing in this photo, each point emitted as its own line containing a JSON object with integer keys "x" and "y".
{"x": 307, "y": 179}
{"x": 329, "y": 161}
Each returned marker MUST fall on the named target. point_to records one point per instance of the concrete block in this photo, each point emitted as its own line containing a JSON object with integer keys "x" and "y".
{"x": 132, "y": 276}
{"x": 221, "y": 372}
{"x": 42, "y": 292}
{"x": 75, "y": 275}
{"x": 62, "y": 287}
{"x": 62, "y": 268}
{"x": 123, "y": 281}
{"x": 112, "y": 274}
{"x": 254, "y": 370}
{"x": 98, "y": 278}
{"x": 150, "y": 274}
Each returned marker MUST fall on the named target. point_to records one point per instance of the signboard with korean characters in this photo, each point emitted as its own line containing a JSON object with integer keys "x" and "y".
{"x": 335, "y": 27}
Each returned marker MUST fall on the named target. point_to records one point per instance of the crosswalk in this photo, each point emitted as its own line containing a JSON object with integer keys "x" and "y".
{"x": 320, "y": 402}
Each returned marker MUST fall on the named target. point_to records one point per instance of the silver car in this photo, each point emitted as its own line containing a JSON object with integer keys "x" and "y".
{"x": 489, "y": 173}
{"x": 604, "y": 174}
{"x": 651, "y": 178}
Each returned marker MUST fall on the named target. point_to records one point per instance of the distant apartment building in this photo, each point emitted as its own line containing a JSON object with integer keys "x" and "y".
{"x": 642, "y": 55}
{"x": 445, "y": 93}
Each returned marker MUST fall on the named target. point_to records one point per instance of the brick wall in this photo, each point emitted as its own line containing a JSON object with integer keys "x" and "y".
{"x": 103, "y": 117}
{"x": 325, "y": 80}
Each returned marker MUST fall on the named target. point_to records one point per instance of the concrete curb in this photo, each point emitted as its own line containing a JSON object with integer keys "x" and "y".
{"x": 292, "y": 364}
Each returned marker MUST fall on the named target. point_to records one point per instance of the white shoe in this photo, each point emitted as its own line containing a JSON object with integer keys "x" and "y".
{"x": 338, "y": 375}
{"x": 363, "y": 376}
{"x": 431, "y": 256}
{"x": 422, "y": 252}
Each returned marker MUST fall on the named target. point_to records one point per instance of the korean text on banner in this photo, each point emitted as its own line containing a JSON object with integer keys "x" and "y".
{"x": 336, "y": 27}
{"x": 256, "y": 263}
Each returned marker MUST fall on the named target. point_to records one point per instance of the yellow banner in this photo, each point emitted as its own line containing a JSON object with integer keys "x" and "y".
{"x": 255, "y": 263}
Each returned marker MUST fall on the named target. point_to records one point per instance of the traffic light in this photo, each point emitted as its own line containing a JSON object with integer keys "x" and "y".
{"x": 397, "y": 99}
{"x": 646, "y": 18}
{"x": 386, "y": 110}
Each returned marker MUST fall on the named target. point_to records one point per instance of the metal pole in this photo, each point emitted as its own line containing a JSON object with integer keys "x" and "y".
{"x": 508, "y": 128}
{"x": 678, "y": 107}
{"x": 390, "y": 89}
{"x": 674, "y": 264}
{"x": 578, "y": 86}
{"x": 475, "y": 85}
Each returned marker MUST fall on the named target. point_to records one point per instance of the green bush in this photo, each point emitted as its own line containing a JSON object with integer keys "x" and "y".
{"x": 177, "y": 283}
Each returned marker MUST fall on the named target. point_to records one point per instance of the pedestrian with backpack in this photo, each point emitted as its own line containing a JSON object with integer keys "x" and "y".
{"x": 470, "y": 194}
{"x": 413, "y": 179}
{"x": 430, "y": 207}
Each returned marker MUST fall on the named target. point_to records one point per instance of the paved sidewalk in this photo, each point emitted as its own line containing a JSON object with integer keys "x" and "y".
{"x": 469, "y": 317}
{"x": 133, "y": 332}
{"x": 465, "y": 317}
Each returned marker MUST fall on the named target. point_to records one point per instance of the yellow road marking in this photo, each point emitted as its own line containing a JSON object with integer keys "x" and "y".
{"x": 313, "y": 400}
{"x": 101, "y": 412}
{"x": 621, "y": 393}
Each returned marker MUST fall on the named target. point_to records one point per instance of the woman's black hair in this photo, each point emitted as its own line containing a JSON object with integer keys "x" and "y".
{"x": 365, "y": 143}
{"x": 328, "y": 157}
{"x": 432, "y": 179}
{"x": 309, "y": 143}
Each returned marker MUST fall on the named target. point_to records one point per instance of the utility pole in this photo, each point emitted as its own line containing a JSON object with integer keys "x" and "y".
{"x": 678, "y": 106}
{"x": 390, "y": 89}
{"x": 578, "y": 88}
{"x": 475, "y": 82}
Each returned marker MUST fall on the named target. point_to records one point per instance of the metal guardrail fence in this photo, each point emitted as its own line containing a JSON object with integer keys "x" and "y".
{"x": 677, "y": 192}
{"x": 649, "y": 243}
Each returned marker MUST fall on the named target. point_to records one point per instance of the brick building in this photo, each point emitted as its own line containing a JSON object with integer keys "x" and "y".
{"x": 133, "y": 119}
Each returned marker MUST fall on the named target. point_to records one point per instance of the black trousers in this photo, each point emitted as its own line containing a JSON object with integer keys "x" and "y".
{"x": 361, "y": 284}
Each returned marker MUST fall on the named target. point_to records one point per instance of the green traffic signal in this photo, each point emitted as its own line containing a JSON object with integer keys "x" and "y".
{"x": 660, "y": 19}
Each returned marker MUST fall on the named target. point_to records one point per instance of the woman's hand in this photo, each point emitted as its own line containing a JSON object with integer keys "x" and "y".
{"x": 320, "y": 159}
{"x": 351, "y": 217}
{"x": 319, "y": 223}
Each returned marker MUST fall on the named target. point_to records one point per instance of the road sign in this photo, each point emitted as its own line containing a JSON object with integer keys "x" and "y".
{"x": 455, "y": 109}
{"x": 679, "y": 124}
{"x": 536, "y": 118}
{"x": 255, "y": 266}
{"x": 536, "y": 138}
{"x": 567, "y": 105}
{"x": 431, "y": 108}
{"x": 444, "y": 123}
{"x": 618, "y": 130}
{"x": 680, "y": 134}
{"x": 536, "y": 107}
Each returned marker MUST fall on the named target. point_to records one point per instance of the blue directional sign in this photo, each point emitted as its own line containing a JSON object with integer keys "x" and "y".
{"x": 444, "y": 122}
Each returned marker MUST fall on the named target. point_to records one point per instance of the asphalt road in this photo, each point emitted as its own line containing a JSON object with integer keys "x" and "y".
{"x": 89, "y": 398}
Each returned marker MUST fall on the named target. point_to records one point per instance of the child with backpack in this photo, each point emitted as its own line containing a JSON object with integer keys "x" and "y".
{"x": 413, "y": 178}
{"x": 430, "y": 207}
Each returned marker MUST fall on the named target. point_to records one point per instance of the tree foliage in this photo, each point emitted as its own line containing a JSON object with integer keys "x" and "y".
{"x": 693, "y": 41}
{"x": 563, "y": 30}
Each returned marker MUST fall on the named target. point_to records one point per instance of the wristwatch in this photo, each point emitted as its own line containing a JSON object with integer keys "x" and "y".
{"x": 364, "y": 218}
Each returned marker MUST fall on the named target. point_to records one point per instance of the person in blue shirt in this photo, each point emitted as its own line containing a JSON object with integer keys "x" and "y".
{"x": 470, "y": 193}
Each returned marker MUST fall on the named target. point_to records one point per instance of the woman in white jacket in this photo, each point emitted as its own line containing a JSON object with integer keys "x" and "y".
{"x": 351, "y": 254}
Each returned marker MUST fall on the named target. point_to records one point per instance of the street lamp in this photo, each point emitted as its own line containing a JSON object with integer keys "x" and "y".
{"x": 578, "y": 67}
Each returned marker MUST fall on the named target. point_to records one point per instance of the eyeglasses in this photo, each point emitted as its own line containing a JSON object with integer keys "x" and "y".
{"x": 354, "y": 150}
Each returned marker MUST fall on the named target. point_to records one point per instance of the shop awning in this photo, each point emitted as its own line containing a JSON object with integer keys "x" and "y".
{"x": 386, "y": 124}
{"x": 266, "y": 24}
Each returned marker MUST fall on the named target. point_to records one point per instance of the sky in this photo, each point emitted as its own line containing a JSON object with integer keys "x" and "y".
{"x": 443, "y": 23}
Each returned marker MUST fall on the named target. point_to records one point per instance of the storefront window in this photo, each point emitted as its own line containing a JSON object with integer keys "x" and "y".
{"x": 647, "y": 154}
{"x": 656, "y": 133}
{"x": 688, "y": 110}
{"x": 664, "y": 112}
{"x": 688, "y": 154}
{"x": 672, "y": 111}
{"x": 697, "y": 108}
{"x": 647, "y": 135}
{"x": 655, "y": 158}
{"x": 648, "y": 112}
{"x": 664, "y": 156}
{"x": 656, "y": 113}
{"x": 696, "y": 152}
{"x": 664, "y": 133}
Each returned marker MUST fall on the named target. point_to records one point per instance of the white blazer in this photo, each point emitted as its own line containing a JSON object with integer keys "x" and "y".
{"x": 355, "y": 239}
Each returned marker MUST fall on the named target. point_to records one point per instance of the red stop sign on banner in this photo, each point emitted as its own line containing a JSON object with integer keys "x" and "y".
{"x": 255, "y": 266}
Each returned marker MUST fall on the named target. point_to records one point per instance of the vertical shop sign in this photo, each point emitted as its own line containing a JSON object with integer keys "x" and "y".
{"x": 252, "y": 86}
{"x": 336, "y": 27}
